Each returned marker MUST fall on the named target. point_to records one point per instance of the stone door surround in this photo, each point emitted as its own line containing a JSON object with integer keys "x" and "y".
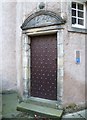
{"x": 42, "y": 23}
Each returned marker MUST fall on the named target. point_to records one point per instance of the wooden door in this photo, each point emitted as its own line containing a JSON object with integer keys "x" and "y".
{"x": 44, "y": 66}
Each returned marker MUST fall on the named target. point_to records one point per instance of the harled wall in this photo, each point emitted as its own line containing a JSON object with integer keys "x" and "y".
{"x": 74, "y": 74}
{"x": 8, "y": 44}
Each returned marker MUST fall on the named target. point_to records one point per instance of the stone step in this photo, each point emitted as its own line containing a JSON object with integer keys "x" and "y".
{"x": 39, "y": 110}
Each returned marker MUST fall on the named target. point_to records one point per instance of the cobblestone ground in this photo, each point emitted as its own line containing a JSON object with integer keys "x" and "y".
{"x": 9, "y": 102}
{"x": 82, "y": 115}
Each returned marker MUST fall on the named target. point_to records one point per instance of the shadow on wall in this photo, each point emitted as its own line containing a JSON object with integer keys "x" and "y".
{"x": 8, "y": 85}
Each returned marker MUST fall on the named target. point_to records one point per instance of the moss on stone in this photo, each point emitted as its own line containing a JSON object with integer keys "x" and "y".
{"x": 73, "y": 108}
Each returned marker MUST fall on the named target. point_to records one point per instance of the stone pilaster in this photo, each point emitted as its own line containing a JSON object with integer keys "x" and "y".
{"x": 60, "y": 68}
{"x": 26, "y": 65}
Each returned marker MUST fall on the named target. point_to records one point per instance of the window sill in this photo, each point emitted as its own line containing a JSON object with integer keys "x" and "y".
{"x": 77, "y": 30}
{"x": 78, "y": 26}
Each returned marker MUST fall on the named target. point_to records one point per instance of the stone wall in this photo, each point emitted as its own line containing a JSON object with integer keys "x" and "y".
{"x": 8, "y": 44}
{"x": 13, "y": 15}
{"x": 74, "y": 74}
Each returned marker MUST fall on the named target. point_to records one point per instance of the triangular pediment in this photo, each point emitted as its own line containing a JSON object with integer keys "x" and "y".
{"x": 42, "y": 18}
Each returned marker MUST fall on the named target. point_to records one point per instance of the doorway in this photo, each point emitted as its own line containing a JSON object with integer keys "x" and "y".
{"x": 44, "y": 66}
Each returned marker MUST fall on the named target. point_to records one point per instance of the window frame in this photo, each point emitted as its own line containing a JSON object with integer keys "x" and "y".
{"x": 77, "y": 17}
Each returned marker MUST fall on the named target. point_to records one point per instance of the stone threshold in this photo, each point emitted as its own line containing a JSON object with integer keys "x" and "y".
{"x": 43, "y": 102}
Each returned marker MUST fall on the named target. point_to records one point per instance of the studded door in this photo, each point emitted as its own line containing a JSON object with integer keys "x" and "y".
{"x": 44, "y": 67}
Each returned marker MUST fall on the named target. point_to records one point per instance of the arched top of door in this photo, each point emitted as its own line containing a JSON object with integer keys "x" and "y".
{"x": 42, "y": 18}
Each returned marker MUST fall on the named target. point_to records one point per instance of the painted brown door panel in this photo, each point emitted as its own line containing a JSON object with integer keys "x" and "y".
{"x": 44, "y": 67}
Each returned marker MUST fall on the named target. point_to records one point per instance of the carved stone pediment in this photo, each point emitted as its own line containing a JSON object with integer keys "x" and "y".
{"x": 41, "y": 19}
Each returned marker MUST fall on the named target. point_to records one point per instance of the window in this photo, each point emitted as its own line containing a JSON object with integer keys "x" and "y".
{"x": 78, "y": 15}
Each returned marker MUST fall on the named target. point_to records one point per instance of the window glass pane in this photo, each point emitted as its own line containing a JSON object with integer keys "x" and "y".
{"x": 73, "y": 20}
{"x": 73, "y": 5}
{"x": 80, "y": 22}
{"x": 80, "y": 14}
{"x": 80, "y": 6}
{"x": 73, "y": 12}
